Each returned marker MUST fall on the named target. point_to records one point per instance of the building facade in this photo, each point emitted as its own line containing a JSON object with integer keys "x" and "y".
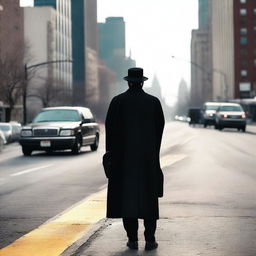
{"x": 245, "y": 48}
{"x": 62, "y": 36}
{"x": 112, "y": 49}
{"x": 201, "y": 71}
{"x": 222, "y": 32}
{"x": 12, "y": 50}
{"x": 85, "y": 52}
{"x": 201, "y": 57}
{"x": 47, "y": 29}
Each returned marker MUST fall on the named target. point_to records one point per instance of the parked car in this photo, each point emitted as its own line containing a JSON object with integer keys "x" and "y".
{"x": 195, "y": 116}
{"x": 61, "y": 128}
{"x": 16, "y": 129}
{"x": 209, "y": 112}
{"x": 230, "y": 115}
{"x": 6, "y": 128}
{"x": 11, "y": 131}
{"x": 2, "y": 140}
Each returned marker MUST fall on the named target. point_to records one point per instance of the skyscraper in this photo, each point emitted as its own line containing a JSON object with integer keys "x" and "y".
{"x": 201, "y": 66}
{"x": 204, "y": 14}
{"x": 62, "y": 48}
{"x": 85, "y": 52}
{"x": 112, "y": 49}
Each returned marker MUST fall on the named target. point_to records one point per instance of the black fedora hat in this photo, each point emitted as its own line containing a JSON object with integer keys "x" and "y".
{"x": 135, "y": 75}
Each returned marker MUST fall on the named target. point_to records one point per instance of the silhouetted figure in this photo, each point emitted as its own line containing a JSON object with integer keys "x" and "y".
{"x": 134, "y": 127}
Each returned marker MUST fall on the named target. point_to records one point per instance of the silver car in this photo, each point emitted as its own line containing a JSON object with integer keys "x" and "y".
{"x": 209, "y": 112}
{"x": 2, "y": 140}
{"x": 230, "y": 115}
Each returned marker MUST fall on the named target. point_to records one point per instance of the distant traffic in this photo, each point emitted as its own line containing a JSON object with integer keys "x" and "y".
{"x": 218, "y": 114}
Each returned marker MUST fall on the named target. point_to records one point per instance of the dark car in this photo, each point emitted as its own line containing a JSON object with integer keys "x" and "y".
{"x": 60, "y": 128}
{"x": 195, "y": 116}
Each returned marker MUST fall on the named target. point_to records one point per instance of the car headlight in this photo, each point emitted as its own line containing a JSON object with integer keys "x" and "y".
{"x": 243, "y": 116}
{"x": 26, "y": 133}
{"x": 67, "y": 133}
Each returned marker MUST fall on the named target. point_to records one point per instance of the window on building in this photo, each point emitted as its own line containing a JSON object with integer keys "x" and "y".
{"x": 243, "y": 1}
{"x": 243, "y": 31}
{"x": 244, "y": 63}
{"x": 243, "y": 40}
{"x": 243, "y": 11}
{"x": 244, "y": 52}
{"x": 243, "y": 72}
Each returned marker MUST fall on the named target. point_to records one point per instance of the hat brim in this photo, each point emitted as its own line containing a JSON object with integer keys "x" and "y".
{"x": 135, "y": 79}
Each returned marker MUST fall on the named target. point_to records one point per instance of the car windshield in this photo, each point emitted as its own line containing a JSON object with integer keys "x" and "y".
{"x": 5, "y": 128}
{"x": 231, "y": 108}
{"x": 211, "y": 107}
{"x": 57, "y": 115}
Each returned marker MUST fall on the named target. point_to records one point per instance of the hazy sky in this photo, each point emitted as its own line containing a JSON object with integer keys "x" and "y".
{"x": 156, "y": 30}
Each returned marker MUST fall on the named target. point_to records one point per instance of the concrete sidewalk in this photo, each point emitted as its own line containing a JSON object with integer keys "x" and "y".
{"x": 177, "y": 236}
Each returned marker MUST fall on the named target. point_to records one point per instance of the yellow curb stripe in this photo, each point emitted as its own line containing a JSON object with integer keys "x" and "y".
{"x": 57, "y": 234}
{"x": 53, "y": 237}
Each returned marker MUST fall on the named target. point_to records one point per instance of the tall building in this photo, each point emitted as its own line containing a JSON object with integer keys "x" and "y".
{"x": 201, "y": 72}
{"x": 12, "y": 50}
{"x": 62, "y": 35}
{"x": 47, "y": 29}
{"x": 204, "y": 14}
{"x": 85, "y": 52}
{"x": 11, "y": 29}
{"x": 222, "y": 27}
{"x": 112, "y": 49}
{"x": 245, "y": 48}
{"x": 201, "y": 61}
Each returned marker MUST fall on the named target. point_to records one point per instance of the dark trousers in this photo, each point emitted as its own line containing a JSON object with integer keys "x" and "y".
{"x": 131, "y": 226}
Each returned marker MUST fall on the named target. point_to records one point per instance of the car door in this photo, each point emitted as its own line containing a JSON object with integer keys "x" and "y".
{"x": 90, "y": 138}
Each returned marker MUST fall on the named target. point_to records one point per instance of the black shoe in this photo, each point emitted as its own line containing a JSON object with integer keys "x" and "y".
{"x": 133, "y": 245}
{"x": 151, "y": 246}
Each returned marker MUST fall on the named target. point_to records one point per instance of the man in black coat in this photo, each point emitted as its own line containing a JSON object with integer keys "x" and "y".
{"x": 134, "y": 128}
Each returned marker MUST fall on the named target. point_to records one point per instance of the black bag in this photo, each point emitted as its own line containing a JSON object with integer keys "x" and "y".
{"x": 106, "y": 161}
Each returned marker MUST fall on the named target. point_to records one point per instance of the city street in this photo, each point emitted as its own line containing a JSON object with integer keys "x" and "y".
{"x": 210, "y": 189}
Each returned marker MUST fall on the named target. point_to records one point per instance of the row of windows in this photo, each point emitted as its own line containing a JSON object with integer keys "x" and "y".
{"x": 245, "y": 1}
{"x": 244, "y": 40}
{"x": 243, "y": 11}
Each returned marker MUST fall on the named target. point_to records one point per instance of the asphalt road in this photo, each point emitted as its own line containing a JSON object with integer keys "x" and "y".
{"x": 217, "y": 177}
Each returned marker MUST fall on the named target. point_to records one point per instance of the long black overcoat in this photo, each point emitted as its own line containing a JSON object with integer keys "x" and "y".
{"x": 134, "y": 127}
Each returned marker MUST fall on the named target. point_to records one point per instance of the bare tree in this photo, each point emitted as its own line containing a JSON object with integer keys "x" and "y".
{"x": 11, "y": 83}
{"x": 52, "y": 93}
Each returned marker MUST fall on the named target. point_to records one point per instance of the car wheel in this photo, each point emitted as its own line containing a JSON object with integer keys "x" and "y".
{"x": 215, "y": 126}
{"x": 77, "y": 146}
{"x": 205, "y": 125}
{"x": 238, "y": 129}
{"x": 220, "y": 128}
{"x": 244, "y": 128}
{"x": 26, "y": 151}
{"x": 95, "y": 145}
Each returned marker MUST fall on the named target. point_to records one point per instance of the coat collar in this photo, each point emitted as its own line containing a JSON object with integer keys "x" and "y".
{"x": 135, "y": 89}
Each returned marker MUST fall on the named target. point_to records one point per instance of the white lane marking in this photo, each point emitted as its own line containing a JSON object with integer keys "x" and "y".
{"x": 103, "y": 187}
{"x": 171, "y": 159}
{"x": 30, "y": 170}
{"x": 187, "y": 140}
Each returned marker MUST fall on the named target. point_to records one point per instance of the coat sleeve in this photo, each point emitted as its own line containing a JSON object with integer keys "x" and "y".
{"x": 160, "y": 122}
{"x": 159, "y": 133}
{"x": 110, "y": 125}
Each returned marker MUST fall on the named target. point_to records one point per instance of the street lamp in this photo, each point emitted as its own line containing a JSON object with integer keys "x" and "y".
{"x": 26, "y": 69}
{"x": 209, "y": 73}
